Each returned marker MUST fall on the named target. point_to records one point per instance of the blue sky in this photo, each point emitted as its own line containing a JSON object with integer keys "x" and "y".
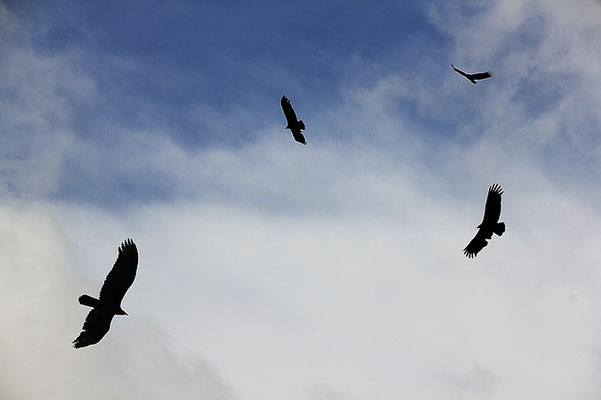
{"x": 268, "y": 269}
{"x": 156, "y": 62}
{"x": 211, "y": 75}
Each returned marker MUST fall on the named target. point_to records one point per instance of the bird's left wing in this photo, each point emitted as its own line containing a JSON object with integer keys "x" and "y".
{"x": 96, "y": 325}
{"x": 299, "y": 137}
{"x": 122, "y": 275}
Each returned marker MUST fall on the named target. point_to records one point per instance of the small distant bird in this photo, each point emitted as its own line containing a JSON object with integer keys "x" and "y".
{"x": 293, "y": 123}
{"x": 490, "y": 223}
{"x": 108, "y": 303}
{"x": 478, "y": 76}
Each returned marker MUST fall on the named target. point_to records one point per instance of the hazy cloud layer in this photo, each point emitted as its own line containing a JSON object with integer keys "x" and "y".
{"x": 383, "y": 304}
{"x": 41, "y": 280}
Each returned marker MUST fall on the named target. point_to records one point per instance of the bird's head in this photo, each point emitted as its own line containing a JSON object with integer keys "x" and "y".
{"x": 120, "y": 312}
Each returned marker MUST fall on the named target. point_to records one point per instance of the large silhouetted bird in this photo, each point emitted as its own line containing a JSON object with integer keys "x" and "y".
{"x": 108, "y": 303}
{"x": 478, "y": 76}
{"x": 490, "y": 223}
{"x": 293, "y": 123}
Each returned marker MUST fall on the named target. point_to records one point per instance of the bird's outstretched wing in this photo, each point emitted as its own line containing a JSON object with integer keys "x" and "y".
{"x": 492, "y": 210}
{"x": 96, "y": 325}
{"x": 482, "y": 75}
{"x": 460, "y": 71}
{"x": 299, "y": 137}
{"x": 478, "y": 76}
{"x": 288, "y": 110}
{"x": 121, "y": 276}
{"x": 475, "y": 245}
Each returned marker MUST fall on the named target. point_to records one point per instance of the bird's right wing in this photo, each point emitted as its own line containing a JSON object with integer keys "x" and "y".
{"x": 482, "y": 75}
{"x": 96, "y": 325}
{"x": 288, "y": 110}
{"x": 122, "y": 275}
{"x": 492, "y": 210}
{"x": 475, "y": 245}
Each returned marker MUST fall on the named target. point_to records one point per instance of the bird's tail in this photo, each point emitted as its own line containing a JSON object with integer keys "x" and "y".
{"x": 499, "y": 228}
{"x": 89, "y": 301}
{"x": 301, "y": 124}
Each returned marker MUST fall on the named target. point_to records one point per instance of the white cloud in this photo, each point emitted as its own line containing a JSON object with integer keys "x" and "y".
{"x": 41, "y": 280}
{"x": 37, "y": 94}
{"x": 546, "y": 85}
{"x": 376, "y": 298}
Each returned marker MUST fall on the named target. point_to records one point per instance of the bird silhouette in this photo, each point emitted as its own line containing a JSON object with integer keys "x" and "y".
{"x": 478, "y": 76}
{"x": 292, "y": 122}
{"x": 108, "y": 303}
{"x": 490, "y": 223}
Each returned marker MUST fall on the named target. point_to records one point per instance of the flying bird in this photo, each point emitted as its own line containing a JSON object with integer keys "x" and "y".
{"x": 478, "y": 76}
{"x": 293, "y": 123}
{"x": 490, "y": 223}
{"x": 108, "y": 303}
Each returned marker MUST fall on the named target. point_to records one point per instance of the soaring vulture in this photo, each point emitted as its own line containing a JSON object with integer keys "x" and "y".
{"x": 293, "y": 123}
{"x": 108, "y": 303}
{"x": 490, "y": 223}
{"x": 478, "y": 76}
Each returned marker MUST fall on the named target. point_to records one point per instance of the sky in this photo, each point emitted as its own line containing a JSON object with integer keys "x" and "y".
{"x": 272, "y": 270}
